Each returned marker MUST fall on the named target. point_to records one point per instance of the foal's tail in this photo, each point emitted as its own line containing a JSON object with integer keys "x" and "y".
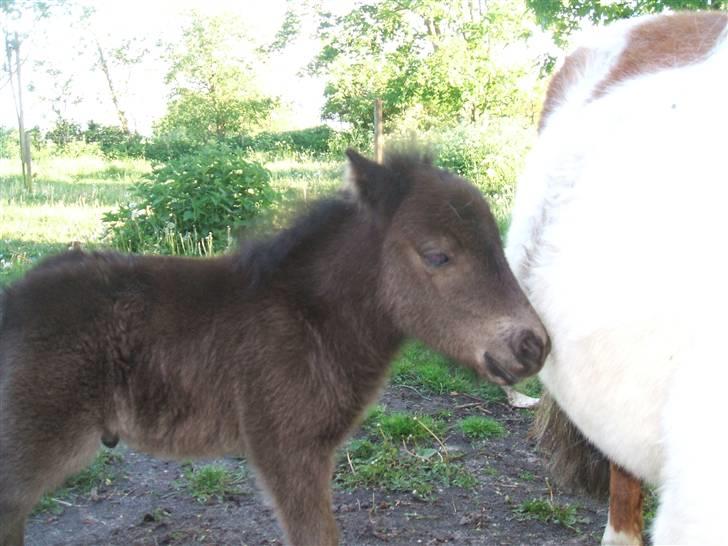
{"x": 572, "y": 461}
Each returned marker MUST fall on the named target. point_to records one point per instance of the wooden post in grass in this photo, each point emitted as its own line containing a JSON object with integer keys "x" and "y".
{"x": 378, "y": 132}
{"x": 26, "y": 159}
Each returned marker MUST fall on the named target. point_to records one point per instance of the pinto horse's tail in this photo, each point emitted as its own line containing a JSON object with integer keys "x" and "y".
{"x": 573, "y": 462}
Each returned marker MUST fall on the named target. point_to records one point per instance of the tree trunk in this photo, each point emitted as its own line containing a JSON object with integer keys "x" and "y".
{"x": 123, "y": 122}
{"x": 12, "y": 47}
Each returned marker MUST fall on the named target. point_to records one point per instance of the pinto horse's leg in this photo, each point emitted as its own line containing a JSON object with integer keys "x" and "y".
{"x": 624, "y": 527}
{"x": 299, "y": 482}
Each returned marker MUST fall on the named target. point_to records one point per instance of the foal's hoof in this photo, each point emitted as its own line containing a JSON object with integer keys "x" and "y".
{"x": 520, "y": 400}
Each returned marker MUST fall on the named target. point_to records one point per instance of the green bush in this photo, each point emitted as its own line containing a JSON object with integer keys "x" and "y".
{"x": 63, "y": 133}
{"x": 313, "y": 140}
{"x": 9, "y": 143}
{"x": 490, "y": 154}
{"x": 114, "y": 142}
{"x": 167, "y": 147}
{"x": 190, "y": 204}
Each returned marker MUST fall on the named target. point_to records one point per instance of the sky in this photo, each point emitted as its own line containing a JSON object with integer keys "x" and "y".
{"x": 58, "y": 45}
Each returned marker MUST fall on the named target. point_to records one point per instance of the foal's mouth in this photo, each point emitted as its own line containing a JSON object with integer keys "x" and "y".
{"x": 498, "y": 371}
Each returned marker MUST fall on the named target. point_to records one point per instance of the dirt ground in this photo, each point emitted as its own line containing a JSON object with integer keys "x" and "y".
{"x": 145, "y": 504}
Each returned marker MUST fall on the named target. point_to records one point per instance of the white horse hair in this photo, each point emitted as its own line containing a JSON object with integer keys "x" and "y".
{"x": 619, "y": 238}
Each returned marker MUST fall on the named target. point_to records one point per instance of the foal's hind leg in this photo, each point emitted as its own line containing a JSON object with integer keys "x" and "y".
{"x": 299, "y": 483}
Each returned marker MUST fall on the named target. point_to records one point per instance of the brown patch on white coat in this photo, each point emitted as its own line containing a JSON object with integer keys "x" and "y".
{"x": 656, "y": 44}
{"x": 625, "y": 524}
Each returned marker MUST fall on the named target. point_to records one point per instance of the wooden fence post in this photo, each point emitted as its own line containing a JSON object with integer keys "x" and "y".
{"x": 26, "y": 159}
{"x": 378, "y": 132}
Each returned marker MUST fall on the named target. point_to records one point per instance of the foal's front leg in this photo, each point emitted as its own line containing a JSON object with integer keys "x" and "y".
{"x": 299, "y": 481}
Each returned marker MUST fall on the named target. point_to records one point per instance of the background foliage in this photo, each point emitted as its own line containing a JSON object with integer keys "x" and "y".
{"x": 432, "y": 63}
{"x": 214, "y": 93}
{"x": 461, "y": 77}
{"x": 563, "y": 18}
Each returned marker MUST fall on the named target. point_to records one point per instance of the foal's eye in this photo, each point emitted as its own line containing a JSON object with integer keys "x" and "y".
{"x": 436, "y": 259}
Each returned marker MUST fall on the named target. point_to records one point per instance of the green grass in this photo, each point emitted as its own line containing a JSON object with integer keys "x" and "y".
{"x": 547, "y": 511}
{"x": 384, "y": 465}
{"x": 481, "y": 428}
{"x": 404, "y": 426}
{"x": 421, "y": 368}
{"x": 213, "y": 481}
{"x": 401, "y": 452}
{"x": 68, "y": 199}
{"x": 307, "y": 179}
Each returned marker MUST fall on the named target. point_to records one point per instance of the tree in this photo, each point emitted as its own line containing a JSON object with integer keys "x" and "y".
{"x": 214, "y": 94}
{"x": 437, "y": 61}
{"x": 563, "y": 18}
{"x": 18, "y": 22}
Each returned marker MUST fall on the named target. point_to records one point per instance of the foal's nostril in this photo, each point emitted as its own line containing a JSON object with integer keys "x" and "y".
{"x": 530, "y": 350}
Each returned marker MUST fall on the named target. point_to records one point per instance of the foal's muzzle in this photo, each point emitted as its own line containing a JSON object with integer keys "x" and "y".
{"x": 529, "y": 351}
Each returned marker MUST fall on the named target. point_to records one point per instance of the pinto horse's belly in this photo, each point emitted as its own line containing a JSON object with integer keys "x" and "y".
{"x": 616, "y": 236}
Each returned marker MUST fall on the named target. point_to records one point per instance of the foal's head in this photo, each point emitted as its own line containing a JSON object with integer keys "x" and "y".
{"x": 445, "y": 278}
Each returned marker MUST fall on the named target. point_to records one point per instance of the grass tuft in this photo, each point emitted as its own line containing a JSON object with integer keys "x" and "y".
{"x": 403, "y": 426}
{"x": 212, "y": 481}
{"x": 547, "y": 511}
{"x": 481, "y": 428}
{"x": 383, "y": 465}
{"x": 402, "y": 452}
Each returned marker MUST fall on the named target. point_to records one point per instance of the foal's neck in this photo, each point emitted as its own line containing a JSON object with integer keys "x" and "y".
{"x": 343, "y": 282}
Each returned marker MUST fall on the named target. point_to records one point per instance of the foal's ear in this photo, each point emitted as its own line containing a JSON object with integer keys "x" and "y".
{"x": 376, "y": 185}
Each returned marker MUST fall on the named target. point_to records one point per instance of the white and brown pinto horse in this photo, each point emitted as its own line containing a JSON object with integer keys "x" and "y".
{"x": 620, "y": 238}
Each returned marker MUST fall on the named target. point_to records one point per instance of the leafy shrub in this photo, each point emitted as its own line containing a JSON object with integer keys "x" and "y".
{"x": 63, "y": 133}
{"x": 113, "y": 141}
{"x": 73, "y": 149}
{"x": 353, "y": 138}
{"x": 191, "y": 203}
{"x": 167, "y": 147}
{"x": 313, "y": 140}
{"x": 490, "y": 155}
{"x": 9, "y": 143}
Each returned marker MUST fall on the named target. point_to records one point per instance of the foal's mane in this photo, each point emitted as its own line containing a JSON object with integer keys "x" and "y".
{"x": 261, "y": 258}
